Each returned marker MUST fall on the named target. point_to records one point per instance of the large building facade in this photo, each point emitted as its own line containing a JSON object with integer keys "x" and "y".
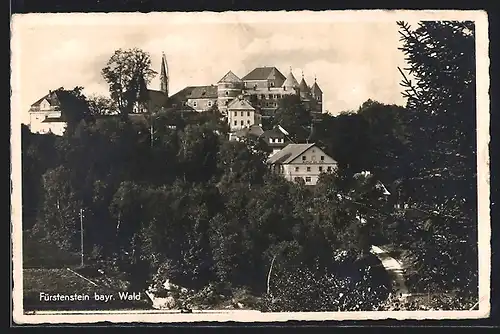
{"x": 302, "y": 162}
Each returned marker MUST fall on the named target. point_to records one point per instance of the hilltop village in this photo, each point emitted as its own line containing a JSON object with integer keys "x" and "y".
{"x": 244, "y": 103}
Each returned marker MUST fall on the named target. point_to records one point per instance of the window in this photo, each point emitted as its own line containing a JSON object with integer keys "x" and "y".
{"x": 209, "y": 103}
{"x": 308, "y": 179}
{"x": 270, "y": 140}
{"x": 248, "y": 121}
{"x": 303, "y": 158}
{"x": 296, "y": 169}
{"x": 235, "y": 114}
{"x": 241, "y": 114}
{"x": 235, "y": 123}
{"x": 248, "y": 113}
{"x": 322, "y": 158}
{"x": 242, "y": 123}
{"x": 320, "y": 169}
{"x": 263, "y": 96}
{"x": 227, "y": 93}
{"x": 308, "y": 169}
{"x": 329, "y": 169}
{"x": 194, "y": 104}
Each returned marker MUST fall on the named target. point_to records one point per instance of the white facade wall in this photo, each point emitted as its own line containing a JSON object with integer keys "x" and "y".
{"x": 238, "y": 119}
{"x": 309, "y": 166}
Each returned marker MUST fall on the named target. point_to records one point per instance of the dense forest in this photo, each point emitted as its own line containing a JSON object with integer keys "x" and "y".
{"x": 184, "y": 203}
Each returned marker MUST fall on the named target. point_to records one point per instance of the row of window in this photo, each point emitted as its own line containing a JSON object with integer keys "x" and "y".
{"x": 209, "y": 103}
{"x": 308, "y": 179}
{"x": 320, "y": 169}
{"x": 242, "y": 123}
{"x": 313, "y": 158}
{"x": 269, "y": 96}
{"x": 271, "y": 104}
{"x": 241, "y": 113}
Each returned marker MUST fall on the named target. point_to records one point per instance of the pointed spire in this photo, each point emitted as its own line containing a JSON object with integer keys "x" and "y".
{"x": 164, "y": 74}
{"x": 290, "y": 81}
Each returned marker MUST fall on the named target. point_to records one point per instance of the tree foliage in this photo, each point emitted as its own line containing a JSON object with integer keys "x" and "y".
{"x": 127, "y": 73}
{"x": 440, "y": 171}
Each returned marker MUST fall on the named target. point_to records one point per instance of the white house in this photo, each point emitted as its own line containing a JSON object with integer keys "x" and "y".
{"x": 45, "y": 115}
{"x": 241, "y": 114}
{"x": 302, "y": 162}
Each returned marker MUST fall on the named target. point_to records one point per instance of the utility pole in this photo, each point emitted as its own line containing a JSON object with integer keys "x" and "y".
{"x": 81, "y": 234}
{"x": 151, "y": 130}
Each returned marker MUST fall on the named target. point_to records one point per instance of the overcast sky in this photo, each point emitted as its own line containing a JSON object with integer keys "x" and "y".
{"x": 353, "y": 59}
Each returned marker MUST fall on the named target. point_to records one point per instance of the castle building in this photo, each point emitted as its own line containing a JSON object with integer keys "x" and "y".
{"x": 263, "y": 88}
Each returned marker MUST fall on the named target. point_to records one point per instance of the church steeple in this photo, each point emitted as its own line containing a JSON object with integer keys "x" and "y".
{"x": 164, "y": 79}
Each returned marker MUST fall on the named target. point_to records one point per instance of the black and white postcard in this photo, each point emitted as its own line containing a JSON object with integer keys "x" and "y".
{"x": 250, "y": 166}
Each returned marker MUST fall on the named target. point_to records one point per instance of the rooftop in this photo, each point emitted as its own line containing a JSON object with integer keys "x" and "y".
{"x": 230, "y": 77}
{"x": 289, "y": 153}
{"x": 240, "y": 104}
{"x": 264, "y": 73}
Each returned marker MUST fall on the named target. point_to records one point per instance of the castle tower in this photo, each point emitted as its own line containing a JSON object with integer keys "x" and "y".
{"x": 305, "y": 91}
{"x": 317, "y": 94}
{"x": 290, "y": 82}
{"x": 228, "y": 88}
{"x": 164, "y": 79}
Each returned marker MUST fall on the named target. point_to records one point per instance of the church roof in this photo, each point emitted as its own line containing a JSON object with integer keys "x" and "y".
{"x": 230, "y": 77}
{"x": 240, "y": 104}
{"x": 289, "y": 153}
{"x": 157, "y": 98}
{"x": 290, "y": 81}
{"x": 264, "y": 73}
{"x": 304, "y": 88}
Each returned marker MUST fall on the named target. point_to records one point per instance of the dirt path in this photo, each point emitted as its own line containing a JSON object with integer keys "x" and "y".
{"x": 395, "y": 270}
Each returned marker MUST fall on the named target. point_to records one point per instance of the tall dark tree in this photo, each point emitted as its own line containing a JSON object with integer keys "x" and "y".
{"x": 74, "y": 107}
{"x": 440, "y": 177}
